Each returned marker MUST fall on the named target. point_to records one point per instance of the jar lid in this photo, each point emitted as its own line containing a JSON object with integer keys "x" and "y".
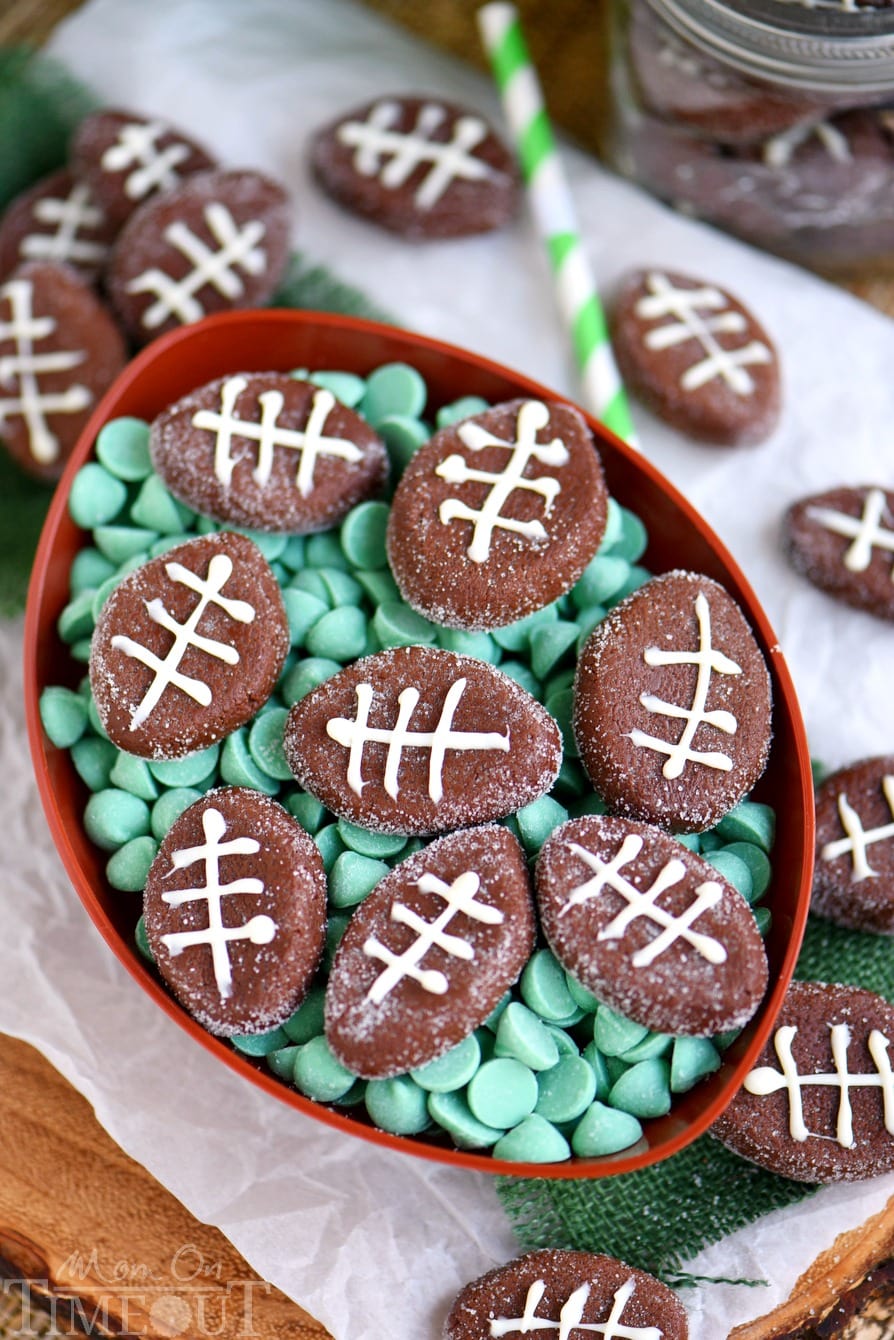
{"x": 826, "y": 46}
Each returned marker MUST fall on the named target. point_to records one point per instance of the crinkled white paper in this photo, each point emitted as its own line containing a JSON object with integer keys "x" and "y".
{"x": 370, "y": 1242}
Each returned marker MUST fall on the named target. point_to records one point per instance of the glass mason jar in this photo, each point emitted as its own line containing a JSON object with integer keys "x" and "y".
{"x": 773, "y": 119}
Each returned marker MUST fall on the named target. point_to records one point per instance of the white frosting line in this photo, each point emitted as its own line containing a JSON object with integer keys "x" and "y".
{"x": 866, "y": 531}
{"x": 71, "y": 214}
{"x": 569, "y": 1322}
{"x": 153, "y": 168}
{"x": 859, "y": 838}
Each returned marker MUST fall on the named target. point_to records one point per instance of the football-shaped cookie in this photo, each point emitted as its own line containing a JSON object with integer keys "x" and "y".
{"x": 59, "y": 351}
{"x": 672, "y": 704}
{"x": 235, "y": 909}
{"x": 649, "y": 928}
{"x": 56, "y": 220}
{"x": 697, "y": 357}
{"x": 267, "y": 451}
{"x": 421, "y": 167}
{"x": 497, "y": 516}
{"x": 843, "y": 542}
{"x": 430, "y": 952}
{"x": 125, "y": 158}
{"x": 567, "y": 1294}
{"x": 188, "y": 646}
{"x": 418, "y": 740}
{"x": 819, "y": 1104}
{"x": 853, "y": 878}
{"x": 219, "y": 240}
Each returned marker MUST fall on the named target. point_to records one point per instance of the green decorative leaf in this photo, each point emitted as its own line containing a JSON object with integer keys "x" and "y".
{"x": 40, "y": 105}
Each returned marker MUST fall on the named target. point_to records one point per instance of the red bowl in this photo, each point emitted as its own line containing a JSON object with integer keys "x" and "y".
{"x": 264, "y": 340}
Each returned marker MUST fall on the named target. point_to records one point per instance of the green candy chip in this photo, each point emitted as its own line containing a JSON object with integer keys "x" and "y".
{"x": 353, "y": 878}
{"x": 96, "y": 496}
{"x": 643, "y": 1090}
{"x": 63, "y": 715}
{"x": 363, "y": 535}
{"x": 113, "y": 817}
{"x": 128, "y": 867}
{"x": 503, "y": 1092}
{"x": 545, "y": 991}
{"x": 307, "y": 1021}
{"x": 394, "y": 388}
{"x": 317, "y": 1073}
{"x": 123, "y": 448}
{"x": 453, "y": 1114}
{"x": 451, "y": 1071}
{"x": 521, "y": 1034}
{"x": 534, "y": 1140}
{"x": 604, "y": 1130}
{"x": 265, "y": 744}
{"x": 566, "y": 1090}
{"x": 397, "y": 1105}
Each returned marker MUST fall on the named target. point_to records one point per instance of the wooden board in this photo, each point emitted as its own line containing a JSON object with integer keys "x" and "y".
{"x": 98, "y": 1236}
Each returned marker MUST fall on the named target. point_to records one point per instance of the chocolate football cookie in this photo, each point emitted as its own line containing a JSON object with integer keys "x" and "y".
{"x": 56, "y": 220}
{"x": 235, "y": 910}
{"x": 853, "y": 879}
{"x": 126, "y": 158}
{"x": 819, "y": 1104}
{"x": 188, "y": 647}
{"x": 218, "y": 241}
{"x": 672, "y": 704}
{"x": 419, "y": 740}
{"x": 697, "y": 357}
{"x": 650, "y": 928}
{"x": 498, "y": 515}
{"x": 421, "y": 167}
{"x": 59, "y": 351}
{"x": 267, "y": 451}
{"x": 843, "y": 542}
{"x": 568, "y": 1293}
{"x": 429, "y": 954}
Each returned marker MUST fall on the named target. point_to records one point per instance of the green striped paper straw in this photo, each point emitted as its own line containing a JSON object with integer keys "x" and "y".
{"x": 553, "y": 208}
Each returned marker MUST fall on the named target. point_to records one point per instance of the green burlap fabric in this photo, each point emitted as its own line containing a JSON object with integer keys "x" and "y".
{"x": 40, "y": 104}
{"x": 661, "y": 1216}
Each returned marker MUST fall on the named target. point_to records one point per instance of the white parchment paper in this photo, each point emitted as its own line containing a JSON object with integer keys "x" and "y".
{"x": 373, "y": 1243}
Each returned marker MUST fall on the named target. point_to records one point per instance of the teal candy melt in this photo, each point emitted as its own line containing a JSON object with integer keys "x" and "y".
{"x": 329, "y": 845}
{"x": 613, "y": 1034}
{"x": 586, "y": 621}
{"x": 63, "y": 715}
{"x": 238, "y": 768}
{"x": 93, "y": 717}
{"x": 643, "y": 1090}
{"x": 353, "y": 877}
{"x": 534, "y": 1140}
{"x": 378, "y": 586}
{"x": 652, "y": 1045}
{"x": 94, "y": 759}
{"x": 76, "y": 619}
{"x": 96, "y": 496}
{"x": 613, "y": 527}
{"x": 564, "y": 1041}
{"x": 303, "y": 610}
{"x": 480, "y": 645}
{"x": 305, "y": 676}
{"x": 128, "y": 867}
{"x": 633, "y": 539}
{"x": 113, "y": 817}
{"x": 307, "y": 1021}
{"x": 169, "y": 806}
{"x": 309, "y": 812}
{"x": 691, "y": 1060}
{"x": 549, "y": 644}
{"x": 292, "y": 557}
{"x": 522, "y": 675}
{"x": 382, "y": 846}
{"x": 188, "y": 771}
{"x": 134, "y": 775}
{"x": 583, "y": 999}
{"x": 460, "y": 409}
{"x": 340, "y": 587}
{"x": 636, "y": 578}
{"x": 453, "y": 1114}
{"x": 733, "y": 869}
{"x": 335, "y": 929}
{"x": 317, "y": 1073}
{"x": 758, "y": 865}
{"x": 566, "y": 1090}
{"x": 282, "y": 1062}
{"x": 403, "y": 435}
{"x": 311, "y": 581}
{"x": 503, "y": 1092}
{"x": 265, "y": 743}
{"x": 141, "y": 940}
{"x": 260, "y": 1044}
{"x": 89, "y": 569}
{"x": 599, "y": 1065}
{"x": 764, "y": 919}
{"x": 339, "y": 635}
{"x": 345, "y": 386}
{"x": 156, "y": 509}
{"x": 691, "y": 841}
{"x": 561, "y": 708}
{"x": 523, "y": 1035}
{"x": 397, "y": 1105}
{"x": 602, "y": 577}
{"x": 749, "y": 822}
{"x": 396, "y": 625}
{"x": 544, "y": 990}
{"x": 496, "y": 1013}
{"x": 121, "y": 543}
{"x": 394, "y": 388}
{"x": 363, "y": 535}
{"x": 451, "y": 1071}
{"x": 516, "y": 637}
{"x": 710, "y": 841}
{"x": 604, "y": 1130}
{"x": 537, "y": 820}
{"x": 123, "y": 448}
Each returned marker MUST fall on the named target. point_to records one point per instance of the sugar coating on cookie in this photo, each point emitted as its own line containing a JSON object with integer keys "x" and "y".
{"x": 420, "y": 740}
{"x": 235, "y": 911}
{"x": 853, "y": 878}
{"x": 672, "y": 704}
{"x": 818, "y": 1106}
{"x": 422, "y": 167}
{"x": 697, "y": 357}
{"x": 842, "y": 541}
{"x": 497, "y": 516}
{"x": 651, "y": 929}
{"x": 188, "y": 647}
{"x": 566, "y": 1292}
{"x": 429, "y": 954}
